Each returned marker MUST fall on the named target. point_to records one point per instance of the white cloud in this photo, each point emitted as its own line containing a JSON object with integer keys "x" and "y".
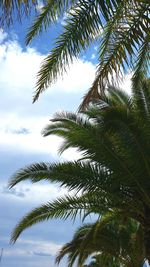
{"x": 42, "y": 246}
{"x": 37, "y": 194}
{"x": 126, "y": 83}
{"x": 19, "y": 68}
{"x": 39, "y": 5}
{"x": 27, "y": 247}
{"x": 17, "y": 80}
{"x": 3, "y": 36}
{"x": 79, "y": 77}
{"x": 93, "y": 56}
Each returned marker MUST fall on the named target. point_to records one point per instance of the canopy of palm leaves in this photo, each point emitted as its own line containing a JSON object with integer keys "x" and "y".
{"x": 120, "y": 27}
{"x": 113, "y": 137}
{"x": 118, "y": 242}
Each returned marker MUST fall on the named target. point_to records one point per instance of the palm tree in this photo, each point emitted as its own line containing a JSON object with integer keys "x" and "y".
{"x": 119, "y": 27}
{"x": 114, "y": 169}
{"x": 115, "y": 243}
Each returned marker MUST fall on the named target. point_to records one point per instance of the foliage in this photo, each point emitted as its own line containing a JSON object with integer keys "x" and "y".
{"x": 119, "y": 27}
{"x": 114, "y": 170}
{"x": 114, "y": 242}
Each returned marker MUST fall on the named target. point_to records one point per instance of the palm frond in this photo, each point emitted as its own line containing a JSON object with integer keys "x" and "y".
{"x": 142, "y": 64}
{"x": 10, "y": 9}
{"x": 61, "y": 208}
{"x": 74, "y": 175}
{"x": 119, "y": 44}
{"x": 117, "y": 97}
{"x": 69, "y": 43}
{"x": 49, "y": 13}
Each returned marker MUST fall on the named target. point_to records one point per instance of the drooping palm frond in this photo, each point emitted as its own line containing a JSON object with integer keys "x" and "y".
{"x": 9, "y": 9}
{"x": 101, "y": 147}
{"x": 84, "y": 14}
{"x": 76, "y": 175}
{"x": 63, "y": 208}
{"x": 142, "y": 63}
{"x": 119, "y": 46}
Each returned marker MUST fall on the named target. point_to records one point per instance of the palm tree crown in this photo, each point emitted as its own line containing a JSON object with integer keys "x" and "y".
{"x": 114, "y": 170}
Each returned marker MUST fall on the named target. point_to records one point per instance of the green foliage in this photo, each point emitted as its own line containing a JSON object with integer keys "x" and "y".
{"x": 113, "y": 239}
{"x": 120, "y": 27}
{"x": 113, "y": 172}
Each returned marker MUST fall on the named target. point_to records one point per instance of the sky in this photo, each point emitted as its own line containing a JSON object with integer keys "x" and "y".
{"x": 21, "y": 143}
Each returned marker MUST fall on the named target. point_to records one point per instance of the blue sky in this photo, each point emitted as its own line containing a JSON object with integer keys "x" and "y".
{"x": 21, "y": 143}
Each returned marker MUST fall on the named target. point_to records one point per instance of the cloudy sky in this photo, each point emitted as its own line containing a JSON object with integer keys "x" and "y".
{"x": 21, "y": 143}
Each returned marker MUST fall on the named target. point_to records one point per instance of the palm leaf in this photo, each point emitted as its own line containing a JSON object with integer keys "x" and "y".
{"x": 49, "y": 14}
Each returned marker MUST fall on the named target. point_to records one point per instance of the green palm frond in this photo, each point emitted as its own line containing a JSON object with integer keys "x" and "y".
{"x": 66, "y": 49}
{"x": 118, "y": 97}
{"x": 141, "y": 95}
{"x": 9, "y": 9}
{"x": 142, "y": 63}
{"x": 118, "y": 48}
{"x": 49, "y": 13}
{"x": 62, "y": 208}
{"x": 98, "y": 147}
{"x": 74, "y": 175}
